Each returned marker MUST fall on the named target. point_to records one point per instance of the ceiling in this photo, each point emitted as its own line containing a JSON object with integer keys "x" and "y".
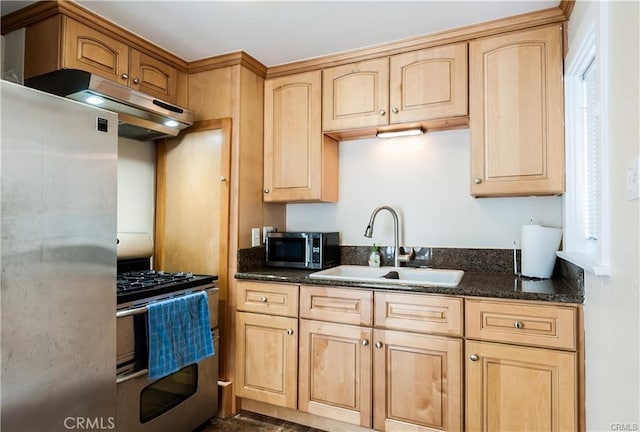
{"x": 278, "y": 32}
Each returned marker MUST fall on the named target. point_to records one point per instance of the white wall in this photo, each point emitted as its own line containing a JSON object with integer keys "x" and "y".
{"x": 612, "y": 303}
{"x": 426, "y": 179}
{"x": 136, "y": 185}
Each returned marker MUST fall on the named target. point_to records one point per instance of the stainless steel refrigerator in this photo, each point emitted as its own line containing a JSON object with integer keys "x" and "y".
{"x": 57, "y": 293}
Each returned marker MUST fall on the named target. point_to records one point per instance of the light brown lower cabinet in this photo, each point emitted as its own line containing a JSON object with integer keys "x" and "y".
{"x": 335, "y": 371}
{"x": 267, "y": 358}
{"x": 516, "y": 388}
{"x": 417, "y": 382}
{"x": 517, "y": 366}
{"x": 417, "y": 379}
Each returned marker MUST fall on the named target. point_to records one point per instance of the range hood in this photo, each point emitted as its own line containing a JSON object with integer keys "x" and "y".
{"x": 140, "y": 116}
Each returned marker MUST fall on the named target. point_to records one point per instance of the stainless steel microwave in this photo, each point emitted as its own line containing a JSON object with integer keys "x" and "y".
{"x": 303, "y": 250}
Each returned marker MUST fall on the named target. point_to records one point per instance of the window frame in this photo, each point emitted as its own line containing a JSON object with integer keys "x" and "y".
{"x": 591, "y": 255}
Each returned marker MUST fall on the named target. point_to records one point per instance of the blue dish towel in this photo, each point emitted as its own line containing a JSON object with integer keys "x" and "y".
{"x": 179, "y": 333}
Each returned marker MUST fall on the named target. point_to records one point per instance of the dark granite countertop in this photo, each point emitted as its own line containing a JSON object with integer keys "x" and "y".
{"x": 496, "y": 285}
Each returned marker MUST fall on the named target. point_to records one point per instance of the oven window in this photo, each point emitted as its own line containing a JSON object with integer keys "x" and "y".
{"x": 288, "y": 250}
{"x": 168, "y": 392}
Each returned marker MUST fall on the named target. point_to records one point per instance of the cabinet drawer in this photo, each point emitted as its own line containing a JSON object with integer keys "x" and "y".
{"x": 419, "y": 313}
{"x": 268, "y": 298}
{"x": 539, "y": 325}
{"x": 336, "y": 305}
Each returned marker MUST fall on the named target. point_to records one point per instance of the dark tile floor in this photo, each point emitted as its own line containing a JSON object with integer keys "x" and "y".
{"x": 246, "y": 421}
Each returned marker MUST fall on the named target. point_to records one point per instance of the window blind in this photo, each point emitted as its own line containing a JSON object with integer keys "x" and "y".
{"x": 590, "y": 153}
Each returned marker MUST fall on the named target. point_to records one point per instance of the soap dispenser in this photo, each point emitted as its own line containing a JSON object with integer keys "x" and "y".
{"x": 374, "y": 258}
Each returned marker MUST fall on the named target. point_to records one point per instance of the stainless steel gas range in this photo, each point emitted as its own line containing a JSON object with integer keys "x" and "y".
{"x": 182, "y": 400}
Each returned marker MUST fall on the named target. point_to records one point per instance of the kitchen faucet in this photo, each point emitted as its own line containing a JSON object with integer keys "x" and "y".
{"x": 397, "y": 257}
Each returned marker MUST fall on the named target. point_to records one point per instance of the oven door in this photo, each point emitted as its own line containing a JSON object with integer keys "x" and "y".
{"x": 178, "y": 402}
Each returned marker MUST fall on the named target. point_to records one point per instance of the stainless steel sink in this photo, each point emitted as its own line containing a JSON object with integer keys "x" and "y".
{"x": 392, "y": 275}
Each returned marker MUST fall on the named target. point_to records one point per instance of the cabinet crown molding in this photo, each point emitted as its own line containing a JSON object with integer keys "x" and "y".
{"x": 45, "y": 9}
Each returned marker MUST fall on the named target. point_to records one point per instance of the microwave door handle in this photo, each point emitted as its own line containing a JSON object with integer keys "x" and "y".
{"x": 308, "y": 253}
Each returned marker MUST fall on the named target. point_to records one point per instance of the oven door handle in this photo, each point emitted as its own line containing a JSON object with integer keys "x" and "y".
{"x": 134, "y": 375}
{"x": 144, "y": 372}
{"x": 130, "y": 312}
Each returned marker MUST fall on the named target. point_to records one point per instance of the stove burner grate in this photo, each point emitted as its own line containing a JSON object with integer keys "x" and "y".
{"x": 149, "y": 279}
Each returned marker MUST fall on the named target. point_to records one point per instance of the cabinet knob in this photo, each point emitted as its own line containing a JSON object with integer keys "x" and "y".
{"x": 290, "y": 332}
{"x": 382, "y": 112}
{"x": 136, "y": 81}
{"x": 518, "y": 325}
{"x": 266, "y": 191}
{"x": 364, "y": 342}
{"x": 263, "y": 299}
{"x": 473, "y": 357}
{"x": 124, "y": 76}
{"x": 223, "y": 179}
{"x": 395, "y": 110}
{"x": 379, "y": 344}
{"x": 477, "y": 180}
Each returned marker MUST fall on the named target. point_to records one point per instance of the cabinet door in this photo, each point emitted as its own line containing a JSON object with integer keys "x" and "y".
{"x": 417, "y": 382}
{"x": 153, "y": 77}
{"x": 429, "y": 84}
{"x": 519, "y": 388}
{"x": 299, "y": 163}
{"x": 90, "y": 50}
{"x": 516, "y": 104}
{"x": 356, "y": 95}
{"x": 266, "y": 358}
{"x": 335, "y": 371}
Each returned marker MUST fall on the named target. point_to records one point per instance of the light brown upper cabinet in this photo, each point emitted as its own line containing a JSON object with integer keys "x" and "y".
{"x": 60, "y": 42}
{"x": 153, "y": 77}
{"x": 300, "y": 164}
{"x": 516, "y": 113}
{"x": 411, "y": 87}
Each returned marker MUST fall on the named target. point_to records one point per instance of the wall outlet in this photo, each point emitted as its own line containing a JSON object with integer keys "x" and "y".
{"x": 633, "y": 180}
{"x": 255, "y": 237}
{"x": 265, "y": 231}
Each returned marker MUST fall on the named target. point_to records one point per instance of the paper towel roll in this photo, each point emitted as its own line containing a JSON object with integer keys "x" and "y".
{"x": 539, "y": 246}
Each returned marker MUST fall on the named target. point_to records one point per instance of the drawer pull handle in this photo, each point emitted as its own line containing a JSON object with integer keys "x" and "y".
{"x": 379, "y": 345}
{"x": 289, "y": 332}
{"x": 473, "y": 357}
{"x": 263, "y": 299}
{"x": 518, "y": 325}
{"x": 365, "y": 342}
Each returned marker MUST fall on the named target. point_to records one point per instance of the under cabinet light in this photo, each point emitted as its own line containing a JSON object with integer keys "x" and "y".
{"x": 171, "y": 123}
{"x": 400, "y": 133}
{"x": 95, "y": 100}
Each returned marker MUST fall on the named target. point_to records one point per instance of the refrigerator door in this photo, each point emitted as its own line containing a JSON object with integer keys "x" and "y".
{"x": 58, "y": 223}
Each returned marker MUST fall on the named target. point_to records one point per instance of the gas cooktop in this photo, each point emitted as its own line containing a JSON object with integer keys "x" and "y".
{"x": 136, "y": 285}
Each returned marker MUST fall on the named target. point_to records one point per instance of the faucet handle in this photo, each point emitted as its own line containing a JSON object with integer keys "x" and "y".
{"x": 404, "y": 257}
